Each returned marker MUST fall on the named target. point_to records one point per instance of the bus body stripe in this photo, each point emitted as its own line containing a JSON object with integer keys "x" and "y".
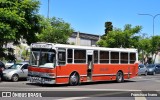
{"x": 68, "y": 76}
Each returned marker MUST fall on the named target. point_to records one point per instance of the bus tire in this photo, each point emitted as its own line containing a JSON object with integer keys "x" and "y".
{"x": 74, "y": 79}
{"x": 119, "y": 77}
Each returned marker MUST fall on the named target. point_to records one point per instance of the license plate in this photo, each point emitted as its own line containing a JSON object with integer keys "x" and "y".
{"x": 35, "y": 79}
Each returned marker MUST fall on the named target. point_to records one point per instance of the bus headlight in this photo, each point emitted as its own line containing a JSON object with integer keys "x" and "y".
{"x": 50, "y": 74}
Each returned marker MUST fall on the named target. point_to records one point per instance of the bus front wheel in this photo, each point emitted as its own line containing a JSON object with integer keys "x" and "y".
{"x": 74, "y": 79}
{"x": 119, "y": 77}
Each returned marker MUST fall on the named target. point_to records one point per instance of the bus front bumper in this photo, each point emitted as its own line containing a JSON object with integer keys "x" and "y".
{"x": 41, "y": 80}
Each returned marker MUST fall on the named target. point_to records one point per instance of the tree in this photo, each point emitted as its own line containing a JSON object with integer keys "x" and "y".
{"x": 155, "y": 42}
{"x": 18, "y": 19}
{"x": 55, "y": 30}
{"x": 144, "y": 48}
{"x": 121, "y": 38}
{"x": 108, "y": 28}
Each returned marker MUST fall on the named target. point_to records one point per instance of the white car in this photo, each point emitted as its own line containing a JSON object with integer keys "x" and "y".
{"x": 15, "y": 72}
{"x": 9, "y": 63}
{"x": 142, "y": 70}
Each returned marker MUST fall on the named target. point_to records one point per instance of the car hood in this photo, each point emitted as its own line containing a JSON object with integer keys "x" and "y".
{"x": 8, "y": 70}
{"x": 151, "y": 68}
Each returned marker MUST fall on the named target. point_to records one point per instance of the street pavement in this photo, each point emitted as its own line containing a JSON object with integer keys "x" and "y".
{"x": 108, "y": 90}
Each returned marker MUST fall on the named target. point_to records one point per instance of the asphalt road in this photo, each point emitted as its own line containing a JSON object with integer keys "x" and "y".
{"x": 109, "y": 90}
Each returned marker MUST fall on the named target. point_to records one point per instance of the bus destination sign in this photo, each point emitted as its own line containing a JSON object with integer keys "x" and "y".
{"x": 41, "y": 46}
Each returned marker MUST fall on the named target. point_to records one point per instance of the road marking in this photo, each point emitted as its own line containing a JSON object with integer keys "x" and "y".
{"x": 73, "y": 98}
{"x": 89, "y": 96}
{"x": 119, "y": 91}
{"x": 157, "y": 80}
{"x": 104, "y": 94}
{"x": 140, "y": 98}
{"x": 71, "y": 89}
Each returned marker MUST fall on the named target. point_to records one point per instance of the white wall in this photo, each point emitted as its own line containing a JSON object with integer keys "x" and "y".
{"x": 72, "y": 40}
{"x": 157, "y": 58}
{"x": 85, "y": 42}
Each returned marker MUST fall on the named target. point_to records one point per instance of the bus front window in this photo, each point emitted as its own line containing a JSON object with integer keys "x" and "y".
{"x": 35, "y": 55}
{"x": 47, "y": 59}
{"x": 43, "y": 58}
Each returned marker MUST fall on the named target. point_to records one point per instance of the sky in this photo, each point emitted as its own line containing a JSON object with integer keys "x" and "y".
{"x": 89, "y": 16}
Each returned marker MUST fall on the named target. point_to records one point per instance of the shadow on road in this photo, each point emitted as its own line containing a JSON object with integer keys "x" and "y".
{"x": 82, "y": 84}
{"x": 48, "y": 85}
{"x": 20, "y": 80}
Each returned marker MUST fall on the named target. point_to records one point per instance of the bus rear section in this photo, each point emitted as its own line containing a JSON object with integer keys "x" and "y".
{"x": 68, "y": 64}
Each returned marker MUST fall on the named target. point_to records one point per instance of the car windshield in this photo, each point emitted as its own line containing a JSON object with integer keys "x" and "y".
{"x": 141, "y": 66}
{"x": 150, "y": 66}
{"x": 15, "y": 66}
{"x": 10, "y": 61}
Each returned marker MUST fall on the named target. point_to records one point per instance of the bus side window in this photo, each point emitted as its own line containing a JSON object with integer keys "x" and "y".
{"x": 132, "y": 58}
{"x": 70, "y": 55}
{"x": 114, "y": 57}
{"x": 95, "y": 56}
{"x": 61, "y": 57}
{"x": 104, "y": 56}
{"x": 124, "y": 57}
{"x": 80, "y": 56}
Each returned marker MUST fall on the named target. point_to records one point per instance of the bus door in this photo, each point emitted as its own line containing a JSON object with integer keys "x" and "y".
{"x": 89, "y": 64}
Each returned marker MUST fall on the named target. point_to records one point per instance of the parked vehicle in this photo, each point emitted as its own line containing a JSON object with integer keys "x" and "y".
{"x": 142, "y": 70}
{"x": 25, "y": 62}
{"x": 153, "y": 69}
{"x": 2, "y": 67}
{"x": 1, "y": 74}
{"x": 9, "y": 63}
{"x": 15, "y": 72}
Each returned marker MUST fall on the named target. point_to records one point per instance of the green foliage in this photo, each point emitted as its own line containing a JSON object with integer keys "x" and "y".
{"x": 55, "y": 30}
{"x": 145, "y": 44}
{"x": 121, "y": 38}
{"x": 148, "y": 46}
{"x": 155, "y": 43}
{"x": 19, "y": 18}
{"x": 24, "y": 54}
{"x": 108, "y": 28}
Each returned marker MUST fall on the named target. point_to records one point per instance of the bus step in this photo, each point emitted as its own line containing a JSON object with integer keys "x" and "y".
{"x": 89, "y": 79}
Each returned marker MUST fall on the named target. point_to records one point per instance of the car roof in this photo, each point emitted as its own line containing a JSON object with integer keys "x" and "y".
{"x": 141, "y": 64}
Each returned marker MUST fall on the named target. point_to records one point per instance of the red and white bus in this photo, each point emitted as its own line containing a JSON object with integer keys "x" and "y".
{"x": 62, "y": 64}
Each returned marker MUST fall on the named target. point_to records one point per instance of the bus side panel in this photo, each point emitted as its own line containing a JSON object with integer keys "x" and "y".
{"x": 102, "y": 72}
{"x": 42, "y": 70}
{"x": 109, "y": 71}
{"x": 63, "y": 72}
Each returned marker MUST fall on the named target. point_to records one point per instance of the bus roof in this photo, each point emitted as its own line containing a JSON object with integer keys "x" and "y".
{"x": 54, "y": 45}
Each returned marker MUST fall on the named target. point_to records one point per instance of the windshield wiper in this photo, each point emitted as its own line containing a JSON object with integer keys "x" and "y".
{"x": 33, "y": 56}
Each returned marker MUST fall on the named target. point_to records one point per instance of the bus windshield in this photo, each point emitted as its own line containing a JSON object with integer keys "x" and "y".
{"x": 43, "y": 58}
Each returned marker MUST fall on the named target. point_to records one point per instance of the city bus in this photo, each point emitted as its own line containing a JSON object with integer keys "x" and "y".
{"x": 71, "y": 64}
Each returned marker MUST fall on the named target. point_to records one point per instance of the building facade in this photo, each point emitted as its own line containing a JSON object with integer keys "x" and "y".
{"x": 83, "y": 39}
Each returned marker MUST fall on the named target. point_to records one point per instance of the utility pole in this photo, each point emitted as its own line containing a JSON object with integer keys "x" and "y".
{"x": 48, "y": 10}
{"x": 153, "y": 19}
